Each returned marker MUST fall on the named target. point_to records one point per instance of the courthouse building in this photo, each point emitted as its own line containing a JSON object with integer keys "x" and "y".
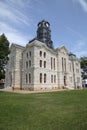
{"x": 39, "y": 66}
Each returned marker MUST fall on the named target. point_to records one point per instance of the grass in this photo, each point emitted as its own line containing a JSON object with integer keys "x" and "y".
{"x": 65, "y": 110}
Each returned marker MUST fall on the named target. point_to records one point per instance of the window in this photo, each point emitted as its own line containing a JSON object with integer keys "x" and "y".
{"x": 40, "y": 53}
{"x": 44, "y": 64}
{"x": 62, "y": 64}
{"x": 26, "y": 78}
{"x": 40, "y": 63}
{"x": 44, "y": 54}
{"x": 27, "y": 54}
{"x": 29, "y": 78}
{"x": 51, "y": 78}
{"x": 54, "y": 63}
{"x": 51, "y": 62}
{"x": 54, "y": 78}
{"x": 44, "y": 78}
{"x": 40, "y": 77}
{"x": 30, "y": 53}
{"x": 26, "y": 64}
{"x": 29, "y": 63}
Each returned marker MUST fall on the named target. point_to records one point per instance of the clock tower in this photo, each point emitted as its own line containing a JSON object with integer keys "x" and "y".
{"x": 44, "y": 33}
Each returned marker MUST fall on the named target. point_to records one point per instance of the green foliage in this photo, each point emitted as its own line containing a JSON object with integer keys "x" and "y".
{"x": 83, "y": 61}
{"x": 65, "y": 110}
{"x": 4, "y": 51}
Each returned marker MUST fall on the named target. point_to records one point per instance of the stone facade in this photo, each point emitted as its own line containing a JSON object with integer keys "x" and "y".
{"x": 38, "y": 67}
{"x": 14, "y": 67}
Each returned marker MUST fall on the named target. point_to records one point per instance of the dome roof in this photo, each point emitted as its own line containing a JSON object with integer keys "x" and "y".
{"x": 43, "y": 21}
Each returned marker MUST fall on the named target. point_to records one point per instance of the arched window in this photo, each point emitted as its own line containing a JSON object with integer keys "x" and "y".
{"x": 65, "y": 64}
{"x": 62, "y": 65}
{"x": 44, "y": 78}
{"x": 51, "y": 78}
{"x": 27, "y": 54}
{"x": 40, "y": 53}
{"x": 29, "y": 63}
{"x": 54, "y": 78}
{"x": 30, "y": 53}
{"x": 26, "y": 64}
{"x": 40, "y": 63}
{"x": 51, "y": 62}
{"x": 26, "y": 78}
{"x": 44, "y": 64}
{"x": 54, "y": 63}
{"x": 40, "y": 77}
{"x": 44, "y": 54}
{"x": 29, "y": 78}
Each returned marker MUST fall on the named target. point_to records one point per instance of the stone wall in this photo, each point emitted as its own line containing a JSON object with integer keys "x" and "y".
{"x": 13, "y": 68}
{"x": 37, "y": 67}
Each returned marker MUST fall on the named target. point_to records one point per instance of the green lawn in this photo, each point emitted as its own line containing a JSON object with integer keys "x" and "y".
{"x": 66, "y": 110}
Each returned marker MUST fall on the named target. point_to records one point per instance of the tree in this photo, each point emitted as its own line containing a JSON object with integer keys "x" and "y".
{"x": 83, "y": 61}
{"x": 4, "y": 52}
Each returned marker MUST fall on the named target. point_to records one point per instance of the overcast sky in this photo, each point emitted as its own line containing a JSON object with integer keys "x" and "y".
{"x": 67, "y": 18}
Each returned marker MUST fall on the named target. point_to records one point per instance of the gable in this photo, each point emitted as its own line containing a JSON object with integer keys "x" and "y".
{"x": 12, "y": 48}
{"x": 62, "y": 50}
{"x": 40, "y": 45}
